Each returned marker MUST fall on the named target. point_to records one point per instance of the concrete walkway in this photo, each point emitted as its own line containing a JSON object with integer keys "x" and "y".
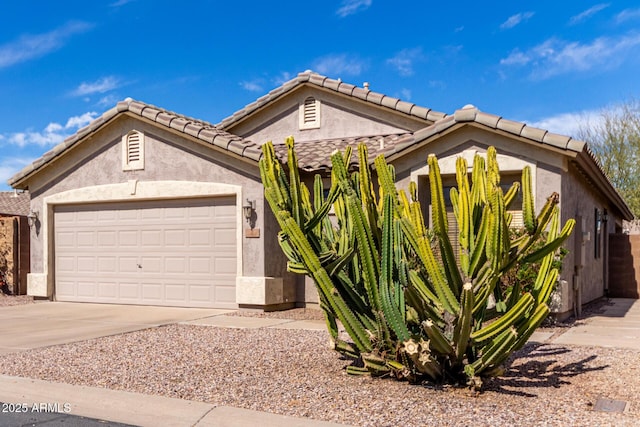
{"x": 43, "y": 324}
{"x": 617, "y": 326}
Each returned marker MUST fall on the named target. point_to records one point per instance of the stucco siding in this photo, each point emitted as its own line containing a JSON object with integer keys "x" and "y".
{"x": 579, "y": 200}
{"x": 339, "y": 118}
{"x": 97, "y": 161}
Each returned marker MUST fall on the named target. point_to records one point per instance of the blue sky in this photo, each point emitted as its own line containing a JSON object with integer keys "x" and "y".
{"x": 548, "y": 63}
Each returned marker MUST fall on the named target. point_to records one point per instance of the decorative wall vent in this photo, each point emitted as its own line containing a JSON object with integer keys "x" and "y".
{"x": 133, "y": 151}
{"x": 309, "y": 113}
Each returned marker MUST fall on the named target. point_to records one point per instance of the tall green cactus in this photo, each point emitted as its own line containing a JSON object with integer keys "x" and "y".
{"x": 412, "y": 303}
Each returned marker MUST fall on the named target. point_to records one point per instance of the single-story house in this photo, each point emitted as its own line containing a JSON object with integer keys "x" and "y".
{"x": 146, "y": 206}
{"x": 14, "y": 242}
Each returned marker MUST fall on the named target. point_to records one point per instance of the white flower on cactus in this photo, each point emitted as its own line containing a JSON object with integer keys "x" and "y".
{"x": 410, "y": 347}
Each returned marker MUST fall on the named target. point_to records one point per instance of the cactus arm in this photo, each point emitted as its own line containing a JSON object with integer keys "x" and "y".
{"x": 423, "y": 250}
{"x": 294, "y": 182}
{"x": 391, "y": 311}
{"x": 552, "y": 246}
{"x": 527, "y": 329}
{"x": 464, "y": 215}
{"x": 528, "y": 210}
{"x": 438, "y": 342}
{"x": 507, "y": 320}
{"x": 493, "y": 352}
{"x": 440, "y": 227}
{"x": 478, "y": 255}
{"x": 319, "y": 274}
{"x": 465, "y": 320}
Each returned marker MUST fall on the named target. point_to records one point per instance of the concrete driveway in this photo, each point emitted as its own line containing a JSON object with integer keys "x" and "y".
{"x": 24, "y": 327}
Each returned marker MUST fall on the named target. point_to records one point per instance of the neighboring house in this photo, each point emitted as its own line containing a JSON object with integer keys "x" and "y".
{"x": 14, "y": 242}
{"x": 145, "y": 206}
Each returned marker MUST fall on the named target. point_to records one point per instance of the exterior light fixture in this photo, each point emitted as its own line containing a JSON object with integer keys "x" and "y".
{"x": 248, "y": 208}
{"x": 32, "y": 218}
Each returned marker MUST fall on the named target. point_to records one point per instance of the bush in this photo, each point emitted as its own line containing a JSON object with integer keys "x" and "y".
{"x": 413, "y": 312}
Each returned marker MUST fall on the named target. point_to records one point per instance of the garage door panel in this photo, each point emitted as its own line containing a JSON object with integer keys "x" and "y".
{"x": 108, "y": 290}
{"x": 175, "y": 265}
{"x": 122, "y": 238}
{"x": 66, "y": 239}
{"x": 87, "y": 289}
{"x": 86, "y": 264}
{"x": 129, "y": 291}
{"x": 178, "y": 253}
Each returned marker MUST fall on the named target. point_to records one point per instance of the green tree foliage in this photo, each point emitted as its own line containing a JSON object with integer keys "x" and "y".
{"x": 615, "y": 140}
{"x": 410, "y": 311}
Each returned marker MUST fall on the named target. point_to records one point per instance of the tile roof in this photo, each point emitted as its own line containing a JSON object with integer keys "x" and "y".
{"x": 14, "y": 203}
{"x": 314, "y": 156}
{"x": 315, "y": 79}
{"x": 202, "y": 130}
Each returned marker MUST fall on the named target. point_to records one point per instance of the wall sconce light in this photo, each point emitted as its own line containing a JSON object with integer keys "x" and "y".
{"x": 32, "y": 218}
{"x": 248, "y": 208}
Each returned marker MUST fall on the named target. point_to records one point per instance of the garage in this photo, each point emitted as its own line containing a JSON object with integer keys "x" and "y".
{"x": 168, "y": 252}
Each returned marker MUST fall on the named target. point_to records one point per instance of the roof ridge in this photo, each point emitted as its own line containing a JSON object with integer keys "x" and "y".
{"x": 338, "y": 86}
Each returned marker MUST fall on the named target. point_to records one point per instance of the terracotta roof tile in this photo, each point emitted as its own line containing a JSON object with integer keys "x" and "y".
{"x": 150, "y": 113}
{"x": 487, "y": 119}
{"x": 192, "y": 129}
{"x": 390, "y": 102}
{"x": 556, "y": 140}
{"x": 510, "y": 126}
{"x": 534, "y": 133}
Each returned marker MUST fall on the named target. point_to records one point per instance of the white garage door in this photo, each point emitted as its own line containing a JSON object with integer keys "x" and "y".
{"x": 173, "y": 253}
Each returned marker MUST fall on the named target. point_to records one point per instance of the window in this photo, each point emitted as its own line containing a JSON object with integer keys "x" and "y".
{"x": 597, "y": 233}
{"x": 133, "y": 151}
{"x": 515, "y": 209}
{"x": 309, "y": 114}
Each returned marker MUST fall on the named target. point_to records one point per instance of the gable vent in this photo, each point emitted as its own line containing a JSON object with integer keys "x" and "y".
{"x": 133, "y": 151}
{"x": 309, "y": 113}
{"x": 133, "y": 148}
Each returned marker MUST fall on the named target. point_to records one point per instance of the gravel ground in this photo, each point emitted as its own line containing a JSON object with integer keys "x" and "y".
{"x": 294, "y": 373}
{"x": 8, "y": 300}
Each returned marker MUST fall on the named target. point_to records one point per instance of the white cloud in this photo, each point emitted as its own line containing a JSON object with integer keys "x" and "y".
{"x": 554, "y": 56}
{"x": 108, "y": 101}
{"x": 584, "y": 15}
{"x": 568, "y": 124}
{"x": 404, "y": 60}
{"x": 52, "y": 134}
{"x": 516, "y": 19}
{"x": 334, "y": 65}
{"x": 406, "y": 94}
{"x": 119, "y": 3}
{"x": 102, "y": 85}
{"x": 282, "y": 78}
{"x": 458, "y": 29}
{"x": 437, "y": 84}
{"x": 350, "y": 7}
{"x": 9, "y": 166}
{"x": 32, "y": 46}
{"x": 627, "y": 15}
{"x": 252, "y": 86}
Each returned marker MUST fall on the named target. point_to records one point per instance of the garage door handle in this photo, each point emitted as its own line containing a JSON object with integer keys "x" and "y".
{"x": 139, "y": 266}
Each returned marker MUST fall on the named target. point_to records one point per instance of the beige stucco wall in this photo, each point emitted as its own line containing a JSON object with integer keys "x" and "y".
{"x": 580, "y": 201}
{"x": 173, "y": 164}
{"x": 339, "y": 117}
